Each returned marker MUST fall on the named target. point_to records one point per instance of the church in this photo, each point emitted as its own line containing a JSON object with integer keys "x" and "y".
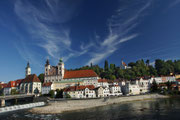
{"x": 31, "y": 83}
{"x": 58, "y": 74}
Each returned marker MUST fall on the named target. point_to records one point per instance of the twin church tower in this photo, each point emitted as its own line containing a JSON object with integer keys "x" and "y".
{"x": 52, "y": 73}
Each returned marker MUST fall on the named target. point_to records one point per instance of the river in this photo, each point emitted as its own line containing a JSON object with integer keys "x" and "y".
{"x": 161, "y": 109}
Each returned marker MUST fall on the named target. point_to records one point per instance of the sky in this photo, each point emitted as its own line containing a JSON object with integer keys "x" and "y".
{"x": 85, "y": 31}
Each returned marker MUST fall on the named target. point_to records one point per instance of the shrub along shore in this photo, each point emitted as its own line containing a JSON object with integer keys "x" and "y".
{"x": 70, "y": 105}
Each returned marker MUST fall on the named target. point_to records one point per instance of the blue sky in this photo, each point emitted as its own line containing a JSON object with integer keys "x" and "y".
{"x": 85, "y": 31}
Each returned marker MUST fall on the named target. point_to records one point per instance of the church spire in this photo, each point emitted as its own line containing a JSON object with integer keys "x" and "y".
{"x": 28, "y": 65}
{"x": 28, "y": 69}
{"x": 47, "y": 62}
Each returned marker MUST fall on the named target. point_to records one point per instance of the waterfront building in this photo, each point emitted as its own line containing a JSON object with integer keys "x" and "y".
{"x": 115, "y": 90}
{"x": 157, "y": 79}
{"x": 131, "y": 88}
{"x": 66, "y": 83}
{"x": 46, "y": 88}
{"x": 12, "y": 85}
{"x": 102, "y": 91}
{"x": 169, "y": 78}
{"x": 30, "y": 85}
{"x": 162, "y": 86}
{"x": 80, "y": 91}
{"x": 144, "y": 85}
{"x": 103, "y": 83}
{"x": 58, "y": 73}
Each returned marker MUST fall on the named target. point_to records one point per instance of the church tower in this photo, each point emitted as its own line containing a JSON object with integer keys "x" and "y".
{"x": 28, "y": 69}
{"x": 61, "y": 68}
{"x": 47, "y": 67}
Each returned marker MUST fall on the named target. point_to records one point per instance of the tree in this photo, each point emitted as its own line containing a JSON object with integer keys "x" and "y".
{"x": 91, "y": 65}
{"x": 154, "y": 86}
{"x": 120, "y": 73}
{"x": 59, "y": 93}
{"x": 152, "y": 71}
{"x": 51, "y": 93}
{"x": 68, "y": 96}
{"x": 41, "y": 77}
{"x": 132, "y": 64}
{"x": 177, "y": 67}
{"x": 112, "y": 68}
{"x": 106, "y": 66}
{"x": 112, "y": 77}
{"x": 147, "y": 62}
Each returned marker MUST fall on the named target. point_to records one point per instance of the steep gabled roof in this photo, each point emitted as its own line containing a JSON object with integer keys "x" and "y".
{"x": 31, "y": 78}
{"x": 79, "y": 74}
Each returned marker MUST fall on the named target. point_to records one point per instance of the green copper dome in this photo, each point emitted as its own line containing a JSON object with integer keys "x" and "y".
{"x": 61, "y": 60}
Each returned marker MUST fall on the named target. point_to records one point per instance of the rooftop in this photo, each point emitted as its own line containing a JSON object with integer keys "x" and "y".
{"x": 79, "y": 74}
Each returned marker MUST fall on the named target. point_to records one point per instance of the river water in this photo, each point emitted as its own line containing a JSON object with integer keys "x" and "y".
{"x": 161, "y": 109}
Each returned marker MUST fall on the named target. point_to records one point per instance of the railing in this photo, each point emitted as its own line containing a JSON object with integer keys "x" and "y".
{"x": 20, "y": 107}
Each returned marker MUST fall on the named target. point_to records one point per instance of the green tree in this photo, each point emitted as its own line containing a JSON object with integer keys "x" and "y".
{"x": 152, "y": 71}
{"x": 112, "y": 77}
{"x": 147, "y": 62}
{"x": 112, "y": 67}
{"x": 120, "y": 73}
{"x": 177, "y": 67}
{"x": 132, "y": 64}
{"x": 51, "y": 93}
{"x": 68, "y": 96}
{"x": 154, "y": 87}
{"x": 106, "y": 66}
{"x": 91, "y": 65}
{"x": 41, "y": 77}
{"x": 59, "y": 93}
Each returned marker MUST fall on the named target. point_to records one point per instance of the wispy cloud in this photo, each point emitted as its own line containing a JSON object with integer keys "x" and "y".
{"x": 47, "y": 25}
{"x": 120, "y": 27}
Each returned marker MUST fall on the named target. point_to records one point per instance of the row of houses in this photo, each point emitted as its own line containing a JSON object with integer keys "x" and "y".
{"x": 29, "y": 85}
{"x": 79, "y": 83}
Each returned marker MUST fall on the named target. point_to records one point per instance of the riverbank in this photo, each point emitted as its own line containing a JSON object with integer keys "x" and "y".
{"x": 70, "y": 105}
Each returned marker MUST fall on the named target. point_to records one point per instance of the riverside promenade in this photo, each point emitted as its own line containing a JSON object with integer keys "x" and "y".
{"x": 70, "y": 105}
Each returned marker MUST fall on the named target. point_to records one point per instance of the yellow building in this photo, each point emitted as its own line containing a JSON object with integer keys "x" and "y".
{"x": 66, "y": 83}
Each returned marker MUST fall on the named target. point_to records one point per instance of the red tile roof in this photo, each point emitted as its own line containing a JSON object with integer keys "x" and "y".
{"x": 31, "y": 78}
{"x": 3, "y": 85}
{"x": 79, "y": 74}
{"x": 18, "y": 82}
{"x": 102, "y": 80}
{"x": 47, "y": 84}
{"x": 123, "y": 63}
{"x": 77, "y": 88}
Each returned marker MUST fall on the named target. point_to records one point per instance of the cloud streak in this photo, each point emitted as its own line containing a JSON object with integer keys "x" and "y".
{"x": 120, "y": 27}
{"x": 47, "y": 25}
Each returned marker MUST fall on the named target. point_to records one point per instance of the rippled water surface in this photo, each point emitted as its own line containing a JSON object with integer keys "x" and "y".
{"x": 161, "y": 109}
